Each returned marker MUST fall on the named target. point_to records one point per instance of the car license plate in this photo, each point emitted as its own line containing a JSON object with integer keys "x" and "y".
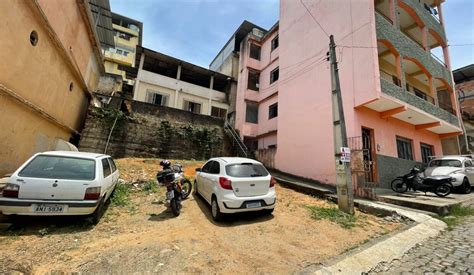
{"x": 170, "y": 195}
{"x": 48, "y": 208}
{"x": 253, "y": 204}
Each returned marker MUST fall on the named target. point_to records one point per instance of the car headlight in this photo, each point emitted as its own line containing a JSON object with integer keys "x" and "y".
{"x": 453, "y": 179}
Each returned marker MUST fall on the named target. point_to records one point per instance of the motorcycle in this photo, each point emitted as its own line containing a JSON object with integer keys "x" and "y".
{"x": 177, "y": 186}
{"x": 440, "y": 185}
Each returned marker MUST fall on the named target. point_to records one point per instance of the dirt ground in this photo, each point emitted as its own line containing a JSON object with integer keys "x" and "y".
{"x": 143, "y": 236}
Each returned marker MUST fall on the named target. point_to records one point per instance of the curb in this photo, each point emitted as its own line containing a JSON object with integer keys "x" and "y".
{"x": 390, "y": 248}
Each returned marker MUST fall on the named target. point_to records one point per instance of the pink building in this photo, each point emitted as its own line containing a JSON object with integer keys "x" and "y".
{"x": 398, "y": 96}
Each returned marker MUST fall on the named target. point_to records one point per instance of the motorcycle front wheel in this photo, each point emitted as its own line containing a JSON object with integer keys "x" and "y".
{"x": 442, "y": 190}
{"x": 399, "y": 186}
{"x": 186, "y": 187}
{"x": 175, "y": 206}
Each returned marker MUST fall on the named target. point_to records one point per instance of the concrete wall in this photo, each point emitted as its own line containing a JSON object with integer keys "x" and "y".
{"x": 178, "y": 91}
{"x": 390, "y": 168}
{"x": 156, "y": 131}
{"x": 41, "y": 77}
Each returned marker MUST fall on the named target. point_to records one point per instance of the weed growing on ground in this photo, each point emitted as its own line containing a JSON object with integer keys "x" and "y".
{"x": 333, "y": 214}
{"x": 150, "y": 187}
{"x": 458, "y": 214}
{"x": 120, "y": 197}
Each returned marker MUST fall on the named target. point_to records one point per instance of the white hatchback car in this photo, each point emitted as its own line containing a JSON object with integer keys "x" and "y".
{"x": 232, "y": 185}
{"x": 459, "y": 168}
{"x": 60, "y": 183}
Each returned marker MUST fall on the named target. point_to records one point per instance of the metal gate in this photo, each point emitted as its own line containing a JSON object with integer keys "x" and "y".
{"x": 362, "y": 165}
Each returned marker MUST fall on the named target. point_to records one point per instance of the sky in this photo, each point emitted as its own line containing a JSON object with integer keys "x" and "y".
{"x": 195, "y": 30}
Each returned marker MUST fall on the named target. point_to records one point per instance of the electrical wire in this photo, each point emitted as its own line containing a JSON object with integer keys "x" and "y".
{"x": 315, "y": 20}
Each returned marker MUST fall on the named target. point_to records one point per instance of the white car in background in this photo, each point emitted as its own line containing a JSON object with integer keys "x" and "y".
{"x": 232, "y": 185}
{"x": 459, "y": 168}
{"x": 60, "y": 183}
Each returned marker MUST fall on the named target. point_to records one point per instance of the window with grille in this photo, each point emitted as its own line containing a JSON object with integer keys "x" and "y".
{"x": 218, "y": 112}
{"x": 404, "y": 148}
{"x": 192, "y": 107}
{"x": 426, "y": 152}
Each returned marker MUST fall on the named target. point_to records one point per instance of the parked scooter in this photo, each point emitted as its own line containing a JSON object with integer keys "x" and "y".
{"x": 440, "y": 185}
{"x": 177, "y": 186}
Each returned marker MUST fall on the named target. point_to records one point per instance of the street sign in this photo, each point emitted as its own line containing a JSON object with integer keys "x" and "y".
{"x": 345, "y": 154}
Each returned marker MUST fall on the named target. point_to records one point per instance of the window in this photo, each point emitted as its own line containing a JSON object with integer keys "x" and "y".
{"x": 106, "y": 168}
{"x": 254, "y": 51}
{"x": 244, "y": 170}
{"x": 125, "y": 53}
{"x": 112, "y": 165}
{"x": 192, "y": 107}
{"x": 467, "y": 163}
{"x": 251, "y": 112}
{"x": 207, "y": 167}
{"x": 275, "y": 43}
{"x": 252, "y": 81}
{"x": 218, "y": 112}
{"x": 156, "y": 98}
{"x": 426, "y": 152}
{"x": 273, "y": 111}
{"x": 118, "y": 51}
{"x": 274, "y": 75}
{"x": 57, "y": 167}
{"x": 445, "y": 162}
{"x": 215, "y": 168}
{"x": 404, "y": 148}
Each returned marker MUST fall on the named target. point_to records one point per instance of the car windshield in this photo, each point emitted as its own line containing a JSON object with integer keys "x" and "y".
{"x": 445, "y": 162}
{"x": 243, "y": 170}
{"x": 58, "y": 167}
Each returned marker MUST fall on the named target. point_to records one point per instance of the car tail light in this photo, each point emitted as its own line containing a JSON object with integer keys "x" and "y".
{"x": 225, "y": 183}
{"x": 92, "y": 193}
{"x": 11, "y": 190}
{"x": 272, "y": 181}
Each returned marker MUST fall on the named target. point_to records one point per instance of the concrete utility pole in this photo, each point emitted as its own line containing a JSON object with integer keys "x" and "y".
{"x": 345, "y": 193}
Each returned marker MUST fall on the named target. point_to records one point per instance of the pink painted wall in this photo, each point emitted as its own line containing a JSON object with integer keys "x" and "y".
{"x": 305, "y": 132}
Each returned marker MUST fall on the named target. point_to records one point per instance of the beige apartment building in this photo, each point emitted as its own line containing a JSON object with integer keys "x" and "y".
{"x": 171, "y": 82}
{"x": 51, "y": 61}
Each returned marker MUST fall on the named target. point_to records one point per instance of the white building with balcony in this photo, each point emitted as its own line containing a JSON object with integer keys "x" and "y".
{"x": 171, "y": 82}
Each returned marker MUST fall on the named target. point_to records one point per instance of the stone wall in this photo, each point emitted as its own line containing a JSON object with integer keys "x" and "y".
{"x": 154, "y": 131}
{"x": 390, "y": 167}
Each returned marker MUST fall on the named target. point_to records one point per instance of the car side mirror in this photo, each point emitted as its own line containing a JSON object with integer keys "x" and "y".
{"x": 198, "y": 169}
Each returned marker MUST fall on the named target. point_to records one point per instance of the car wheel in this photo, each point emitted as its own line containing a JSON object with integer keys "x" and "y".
{"x": 99, "y": 211}
{"x": 466, "y": 186}
{"x": 215, "y": 211}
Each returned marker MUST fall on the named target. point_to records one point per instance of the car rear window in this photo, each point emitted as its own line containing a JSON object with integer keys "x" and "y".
{"x": 58, "y": 167}
{"x": 243, "y": 170}
{"x": 445, "y": 162}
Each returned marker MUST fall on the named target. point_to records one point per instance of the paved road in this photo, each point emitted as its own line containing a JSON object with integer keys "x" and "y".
{"x": 450, "y": 253}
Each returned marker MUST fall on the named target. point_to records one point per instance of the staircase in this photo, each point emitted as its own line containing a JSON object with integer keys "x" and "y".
{"x": 237, "y": 143}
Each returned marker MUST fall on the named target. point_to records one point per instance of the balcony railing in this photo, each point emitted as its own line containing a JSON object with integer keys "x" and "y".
{"x": 391, "y": 78}
{"x": 419, "y": 93}
{"x": 447, "y": 107}
{"x": 433, "y": 12}
{"x": 438, "y": 60}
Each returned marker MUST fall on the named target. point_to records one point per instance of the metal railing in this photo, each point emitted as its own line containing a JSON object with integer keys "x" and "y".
{"x": 236, "y": 141}
{"x": 439, "y": 60}
{"x": 391, "y": 78}
{"x": 447, "y": 107}
{"x": 419, "y": 93}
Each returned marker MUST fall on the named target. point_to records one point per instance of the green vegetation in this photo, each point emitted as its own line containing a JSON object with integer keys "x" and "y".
{"x": 458, "y": 214}
{"x": 334, "y": 215}
{"x": 150, "y": 187}
{"x": 120, "y": 197}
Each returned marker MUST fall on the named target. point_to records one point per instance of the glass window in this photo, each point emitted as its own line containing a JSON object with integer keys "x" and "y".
{"x": 112, "y": 165}
{"x": 467, "y": 163}
{"x": 207, "y": 167}
{"x": 255, "y": 51}
{"x": 106, "y": 168}
{"x": 273, "y": 111}
{"x": 218, "y": 112}
{"x": 445, "y": 162}
{"x": 426, "y": 152}
{"x": 57, "y": 167}
{"x": 192, "y": 107}
{"x": 275, "y": 43}
{"x": 244, "y": 170}
{"x": 215, "y": 168}
{"x": 404, "y": 148}
{"x": 157, "y": 98}
{"x": 252, "y": 81}
{"x": 274, "y": 75}
{"x": 251, "y": 113}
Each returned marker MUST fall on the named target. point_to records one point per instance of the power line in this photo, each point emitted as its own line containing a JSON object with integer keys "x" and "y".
{"x": 301, "y": 1}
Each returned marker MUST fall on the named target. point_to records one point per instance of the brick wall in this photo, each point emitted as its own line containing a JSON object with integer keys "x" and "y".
{"x": 154, "y": 131}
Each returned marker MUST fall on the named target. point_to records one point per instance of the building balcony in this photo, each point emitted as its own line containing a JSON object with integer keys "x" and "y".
{"x": 427, "y": 15}
{"x": 120, "y": 59}
{"x": 409, "y": 49}
{"x": 419, "y": 111}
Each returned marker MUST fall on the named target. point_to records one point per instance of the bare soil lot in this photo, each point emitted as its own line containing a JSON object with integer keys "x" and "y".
{"x": 143, "y": 235}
